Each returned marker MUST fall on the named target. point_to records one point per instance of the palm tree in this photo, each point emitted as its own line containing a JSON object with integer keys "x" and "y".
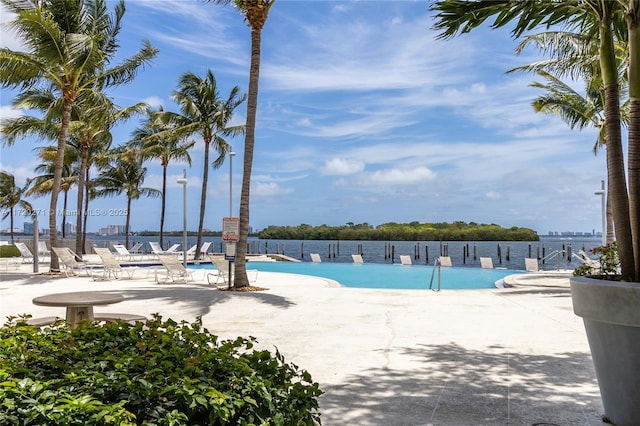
{"x": 10, "y": 197}
{"x": 124, "y": 175}
{"x": 70, "y": 44}
{"x": 606, "y": 20}
{"x": 205, "y": 113}
{"x": 41, "y": 184}
{"x": 575, "y": 54}
{"x": 165, "y": 148}
{"x": 96, "y": 115}
{"x": 255, "y": 13}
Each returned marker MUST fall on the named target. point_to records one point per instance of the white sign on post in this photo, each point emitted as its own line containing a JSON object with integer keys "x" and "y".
{"x": 231, "y": 229}
{"x": 230, "y": 252}
{"x": 231, "y": 235}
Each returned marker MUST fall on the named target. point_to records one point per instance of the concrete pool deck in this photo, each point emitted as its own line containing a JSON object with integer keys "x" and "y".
{"x": 516, "y": 356}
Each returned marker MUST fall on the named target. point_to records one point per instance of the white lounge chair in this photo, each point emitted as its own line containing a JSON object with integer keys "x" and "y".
{"x": 112, "y": 267}
{"x": 357, "y": 258}
{"x": 173, "y": 249}
{"x": 124, "y": 254}
{"x": 175, "y": 271}
{"x": 405, "y": 259}
{"x": 315, "y": 257}
{"x": 25, "y": 253}
{"x": 43, "y": 250}
{"x": 73, "y": 263}
{"x": 222, "y": 274}
{"x": 157, "y": 249}
{"x": 136, "y": 249}
{"x": 531, "y": 264}
{"x": 486, "y": 263}
{"x": 445, "y": 261}
{"x": 7, "y": 263}
{"x": 203, "y": 250}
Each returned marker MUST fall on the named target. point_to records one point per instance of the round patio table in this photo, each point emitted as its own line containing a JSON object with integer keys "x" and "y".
{"x": 79, "y": 304}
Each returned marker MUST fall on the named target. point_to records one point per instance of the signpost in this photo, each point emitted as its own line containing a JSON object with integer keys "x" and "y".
{"x": 230, "y": 235}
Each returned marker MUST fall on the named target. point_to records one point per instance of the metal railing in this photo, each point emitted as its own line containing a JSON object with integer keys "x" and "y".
{"x": 436, "y": 264}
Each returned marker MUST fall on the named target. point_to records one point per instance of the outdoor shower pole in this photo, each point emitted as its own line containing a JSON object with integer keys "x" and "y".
{"x": 231, "y": 154}
{"x": 183, "y": 182}
{"x": 603, "y": 194}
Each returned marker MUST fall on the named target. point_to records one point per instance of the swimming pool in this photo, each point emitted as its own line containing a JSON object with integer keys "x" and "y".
{"x": 375, "y": 275}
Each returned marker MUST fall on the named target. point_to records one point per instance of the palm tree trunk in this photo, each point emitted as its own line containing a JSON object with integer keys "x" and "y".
{"x": 203, "y": 196}
{"x": 85, "y": 210}
{"x": 615, "y": 156}
{"x": 11, "y": 224}
{"x": 126, "y": 228}
{"x": 80, "y": 204}
{"x": 54, "y": 266}
{"x": 241, "y": 279}
{"x": 610, "y": 235}
{"x": 164, "y": 200}
{"x": 65, "y": 200}
{"x": 633, "y": 27}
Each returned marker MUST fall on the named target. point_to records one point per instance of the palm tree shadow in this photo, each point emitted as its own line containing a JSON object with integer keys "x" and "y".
{"x": 448, "y": 384}
{"x": 201, "y": 300}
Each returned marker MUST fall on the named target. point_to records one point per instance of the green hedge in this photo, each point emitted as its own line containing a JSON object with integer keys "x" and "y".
{"x": 153, "y": 373}
{"x": 9, "y": 250}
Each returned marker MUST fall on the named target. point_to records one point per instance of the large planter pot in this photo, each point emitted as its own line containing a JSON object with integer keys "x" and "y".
{"x": 611, "y": 314}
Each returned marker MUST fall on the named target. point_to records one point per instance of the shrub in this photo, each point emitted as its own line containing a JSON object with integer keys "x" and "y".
{"x": 153, "y": 373}
{"x": 9, "y": 250}
{"x": 608, "y": 263}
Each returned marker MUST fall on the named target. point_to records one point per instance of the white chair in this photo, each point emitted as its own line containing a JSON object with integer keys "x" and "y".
{"x": 124, "y": 254}
{"x": 136, "y": 249}
{"x": 486, "y": 263}
{"x": 7, "y": 263}
{"x": 173, "y": 249}
{"x": 203, "y": 250}
{"x": 315, "y": 257}
{"x": 222, "y": 274}
{"x": 112, "y": 267}
{"x": 445, "y": 261}
{"x": 175, "y": 271}
{"x": 71, "y": 263}
{"x": 357, "y": 258}
{"x": 25, "y": 253}
{"x": 43, "y": 250}
{"x": 157, "y": 249}
{"x": 405, "y": 259}
{"x": 531, "y": 264}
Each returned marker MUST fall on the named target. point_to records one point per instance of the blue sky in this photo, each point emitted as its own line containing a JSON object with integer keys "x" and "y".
{"x": 363, "y": 116}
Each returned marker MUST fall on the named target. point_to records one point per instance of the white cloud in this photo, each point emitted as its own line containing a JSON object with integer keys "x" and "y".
{"x": 493, "y": 195}
{"x": 398, "y": 176}
{"x": 153, "y": 101}
{"x": 8, "y": 37}
{"x": 7, "y": 111}
{"x": 342, "y": 166}
{"x": 268, "y": 189}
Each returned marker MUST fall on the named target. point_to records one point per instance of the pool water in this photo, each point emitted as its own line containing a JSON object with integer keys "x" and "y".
{"x": 375, "y": 275}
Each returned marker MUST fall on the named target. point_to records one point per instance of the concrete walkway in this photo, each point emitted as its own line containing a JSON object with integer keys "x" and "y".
{"x": 516, "y": 356}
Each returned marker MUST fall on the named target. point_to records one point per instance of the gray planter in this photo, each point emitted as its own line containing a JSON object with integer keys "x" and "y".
{"x": 611, "y": 314}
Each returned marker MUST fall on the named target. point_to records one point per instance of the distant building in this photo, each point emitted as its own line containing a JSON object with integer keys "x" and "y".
{"x": 27, "y": 227}
{"x": 69, "y": 228}
{"x": 112, "y": 230}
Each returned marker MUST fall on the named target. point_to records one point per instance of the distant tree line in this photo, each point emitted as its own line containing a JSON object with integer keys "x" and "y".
{"x": 414, "y": 231}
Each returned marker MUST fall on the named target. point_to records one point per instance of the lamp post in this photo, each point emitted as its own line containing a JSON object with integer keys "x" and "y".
{"x": 231, "y": 154}
{"x": 36, "y": 235}
{"x": 183, "y": 181}
{"x": 602, "y": 193}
